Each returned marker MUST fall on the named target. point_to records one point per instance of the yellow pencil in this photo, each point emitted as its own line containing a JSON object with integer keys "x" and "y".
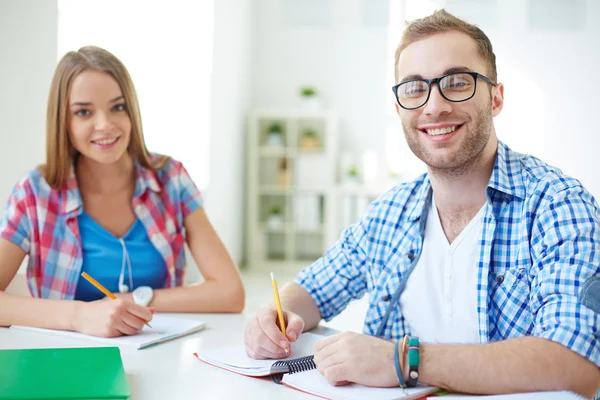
{"x": 278, "y": 305}
{"x": 102, "y": 288}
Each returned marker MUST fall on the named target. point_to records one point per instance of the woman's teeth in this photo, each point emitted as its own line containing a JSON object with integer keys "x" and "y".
{"x": 104, "y": 142}
{"x": 441, "y": 131}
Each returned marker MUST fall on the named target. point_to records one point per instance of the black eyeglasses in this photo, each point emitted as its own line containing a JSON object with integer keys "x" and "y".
{"x": 455, "y": 87}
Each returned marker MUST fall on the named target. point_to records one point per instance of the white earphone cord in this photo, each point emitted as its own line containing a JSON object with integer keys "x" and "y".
{"x": 125, "y": 261}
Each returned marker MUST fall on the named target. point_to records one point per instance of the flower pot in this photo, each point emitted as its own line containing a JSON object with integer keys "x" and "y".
{"x": 275, "y": 139}
{"x": 309, "y": 142}
{"x": 275, "y": 222}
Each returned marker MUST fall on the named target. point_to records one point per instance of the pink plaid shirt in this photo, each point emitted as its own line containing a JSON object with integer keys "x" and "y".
{"x": 43, "y": 222}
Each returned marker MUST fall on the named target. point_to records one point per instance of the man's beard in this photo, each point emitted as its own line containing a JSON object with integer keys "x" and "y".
{"x": 466, "y": 158}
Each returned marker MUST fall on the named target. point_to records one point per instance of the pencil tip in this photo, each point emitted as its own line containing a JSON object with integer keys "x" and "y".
{"x": 272, "y": 276}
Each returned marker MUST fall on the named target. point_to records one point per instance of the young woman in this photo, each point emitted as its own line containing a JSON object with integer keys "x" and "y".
{"x": 104, "y": 205}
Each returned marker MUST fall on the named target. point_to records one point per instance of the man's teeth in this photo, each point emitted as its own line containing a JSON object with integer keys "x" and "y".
{"x": 104, "y": 142}
{"x": 441, "y": 131}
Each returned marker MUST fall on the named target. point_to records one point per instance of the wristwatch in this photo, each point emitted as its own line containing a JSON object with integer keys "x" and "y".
{"x": 143, "y": 295}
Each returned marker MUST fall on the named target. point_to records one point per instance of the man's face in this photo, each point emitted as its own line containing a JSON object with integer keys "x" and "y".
{"x": 449, "y": 137}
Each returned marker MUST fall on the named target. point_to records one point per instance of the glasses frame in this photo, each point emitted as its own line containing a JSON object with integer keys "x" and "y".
{"x": 431, "y": 81}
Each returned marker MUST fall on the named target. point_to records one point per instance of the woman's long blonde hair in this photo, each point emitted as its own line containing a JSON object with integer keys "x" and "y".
{"x": 60, "y": 152}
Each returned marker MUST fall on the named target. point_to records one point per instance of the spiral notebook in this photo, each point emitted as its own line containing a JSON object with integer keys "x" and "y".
{"x": 299, "y": 372}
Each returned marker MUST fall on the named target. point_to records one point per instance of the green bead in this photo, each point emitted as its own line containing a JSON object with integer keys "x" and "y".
{"x": 413, "y": 358}
{"x": 413, "y": 354}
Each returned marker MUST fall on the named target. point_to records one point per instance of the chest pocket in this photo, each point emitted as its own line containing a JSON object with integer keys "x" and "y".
{"x": 510, "y": 315}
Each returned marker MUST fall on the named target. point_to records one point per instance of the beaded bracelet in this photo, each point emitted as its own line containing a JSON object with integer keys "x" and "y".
{"x": 413, "y": 361}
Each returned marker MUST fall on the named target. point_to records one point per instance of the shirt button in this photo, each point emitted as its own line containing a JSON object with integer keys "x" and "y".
{"x": 385, "y": 297}
{"x": 411, "y": 256}
{"x": 500, "y": 279}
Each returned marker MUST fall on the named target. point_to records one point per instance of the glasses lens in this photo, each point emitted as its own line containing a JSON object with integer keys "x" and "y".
{"x": 412, "y": 94}
{"x": 457, "y": 87}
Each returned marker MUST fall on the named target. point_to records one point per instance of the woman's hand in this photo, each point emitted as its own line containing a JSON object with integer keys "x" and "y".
{"x": 111, "y": 318}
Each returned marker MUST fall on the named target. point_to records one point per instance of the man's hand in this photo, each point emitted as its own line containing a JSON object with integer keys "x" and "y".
{"x": 111, "y": 318}
{"x": 263, "y": 338}
{"x": 353, "y": 357}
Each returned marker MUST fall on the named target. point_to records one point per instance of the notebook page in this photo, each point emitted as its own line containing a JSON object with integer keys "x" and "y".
{"x": 163, "y": 329}
{"x": 314, "y": 383}
{"x": 236, "y": 360}
{"x": 519, "y": 396}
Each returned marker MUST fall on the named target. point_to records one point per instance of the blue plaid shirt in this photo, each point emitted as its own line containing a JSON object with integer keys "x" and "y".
{"x": 540, "y": 244}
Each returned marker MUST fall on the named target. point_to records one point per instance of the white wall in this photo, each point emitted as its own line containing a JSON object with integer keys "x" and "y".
{"x": 27, "y": 61}
{"x": 231, "y": 88}
{"x": 548, "y": 57}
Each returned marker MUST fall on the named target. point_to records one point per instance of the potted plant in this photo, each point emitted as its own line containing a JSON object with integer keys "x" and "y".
{"x": 275, "y": 218}
{"x": 275, "y": 135}
{"x": 309, "y": 139}
{"x": 353, "y": 176}
{"x": 308, "y": 91}
{"x": 310, "y": 97}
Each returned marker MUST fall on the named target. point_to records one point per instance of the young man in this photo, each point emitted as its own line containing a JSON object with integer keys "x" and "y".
{"x": 491, "y": 259}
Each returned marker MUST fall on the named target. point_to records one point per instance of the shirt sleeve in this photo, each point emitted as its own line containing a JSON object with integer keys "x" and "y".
{"x": 566, "y": 254}
{"x": 15, "y": 225}
{"x": 340, "y": 275}
{"x": 190, "y": 196}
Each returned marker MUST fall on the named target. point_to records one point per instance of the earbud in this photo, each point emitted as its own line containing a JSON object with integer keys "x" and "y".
{"x": 123, "y": 288}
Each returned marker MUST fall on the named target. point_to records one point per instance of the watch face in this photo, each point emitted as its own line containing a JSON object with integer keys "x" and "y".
{"x": 142, "y": 295}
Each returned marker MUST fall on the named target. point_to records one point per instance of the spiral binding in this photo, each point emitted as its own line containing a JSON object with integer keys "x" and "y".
{"x": 295, "y": 365}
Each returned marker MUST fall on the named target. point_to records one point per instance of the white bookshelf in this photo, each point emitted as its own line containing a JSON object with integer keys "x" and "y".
{"x": 304, "y": 195}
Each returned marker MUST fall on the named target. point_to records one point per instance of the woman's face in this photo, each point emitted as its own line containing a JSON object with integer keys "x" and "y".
{"x": 98, "y": 124}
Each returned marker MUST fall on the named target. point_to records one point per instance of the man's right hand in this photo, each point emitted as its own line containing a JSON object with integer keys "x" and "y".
{"x": 111, "y": 318}
{"x": 263, "y": 338}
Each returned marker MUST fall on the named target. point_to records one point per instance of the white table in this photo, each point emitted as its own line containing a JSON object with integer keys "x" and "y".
{"x": 169, "y": 370}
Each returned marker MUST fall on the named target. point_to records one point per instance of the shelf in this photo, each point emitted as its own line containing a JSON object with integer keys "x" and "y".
{"x": 316, "y": 231}
{"x": 275, "y": 190}
{"x": 268, "y": 151}
{"x": 284, "y": 230}
{"x": 310, "y": 150}
{"x": 280, "y": 231}
{"x": 360, "y": 190}
{"x": 311, "y": 191}
{"x": 296, "y": 176}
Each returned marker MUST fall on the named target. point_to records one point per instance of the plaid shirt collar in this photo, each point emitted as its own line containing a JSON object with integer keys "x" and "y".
{"x": 506, "y": 178}
{"x": 72, "y": 204}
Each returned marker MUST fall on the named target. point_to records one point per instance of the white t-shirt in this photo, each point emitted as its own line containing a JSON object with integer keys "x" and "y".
{"x": 439, "y": 301}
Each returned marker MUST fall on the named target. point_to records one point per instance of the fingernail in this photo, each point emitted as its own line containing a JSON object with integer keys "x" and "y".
{"x": 292, "y": 335}
{"x": 283, "y": 344}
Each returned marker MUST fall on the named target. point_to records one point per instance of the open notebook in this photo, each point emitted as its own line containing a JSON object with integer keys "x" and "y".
{"x": 522, "y": 396}
{"x": 299, "y": 372}
{"x": 163, "y": 329}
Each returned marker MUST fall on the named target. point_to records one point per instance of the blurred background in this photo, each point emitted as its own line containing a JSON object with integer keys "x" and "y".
{"x": 281, "y": 110}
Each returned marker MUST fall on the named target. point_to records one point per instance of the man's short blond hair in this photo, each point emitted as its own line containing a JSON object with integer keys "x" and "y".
{"x": 442, "y": 21}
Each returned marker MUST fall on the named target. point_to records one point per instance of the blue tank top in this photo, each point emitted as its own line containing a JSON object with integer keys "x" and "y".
{"x": 104, "y": 253}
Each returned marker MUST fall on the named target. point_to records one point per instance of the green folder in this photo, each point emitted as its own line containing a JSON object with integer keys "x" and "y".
{"x": 70, "y": 373}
